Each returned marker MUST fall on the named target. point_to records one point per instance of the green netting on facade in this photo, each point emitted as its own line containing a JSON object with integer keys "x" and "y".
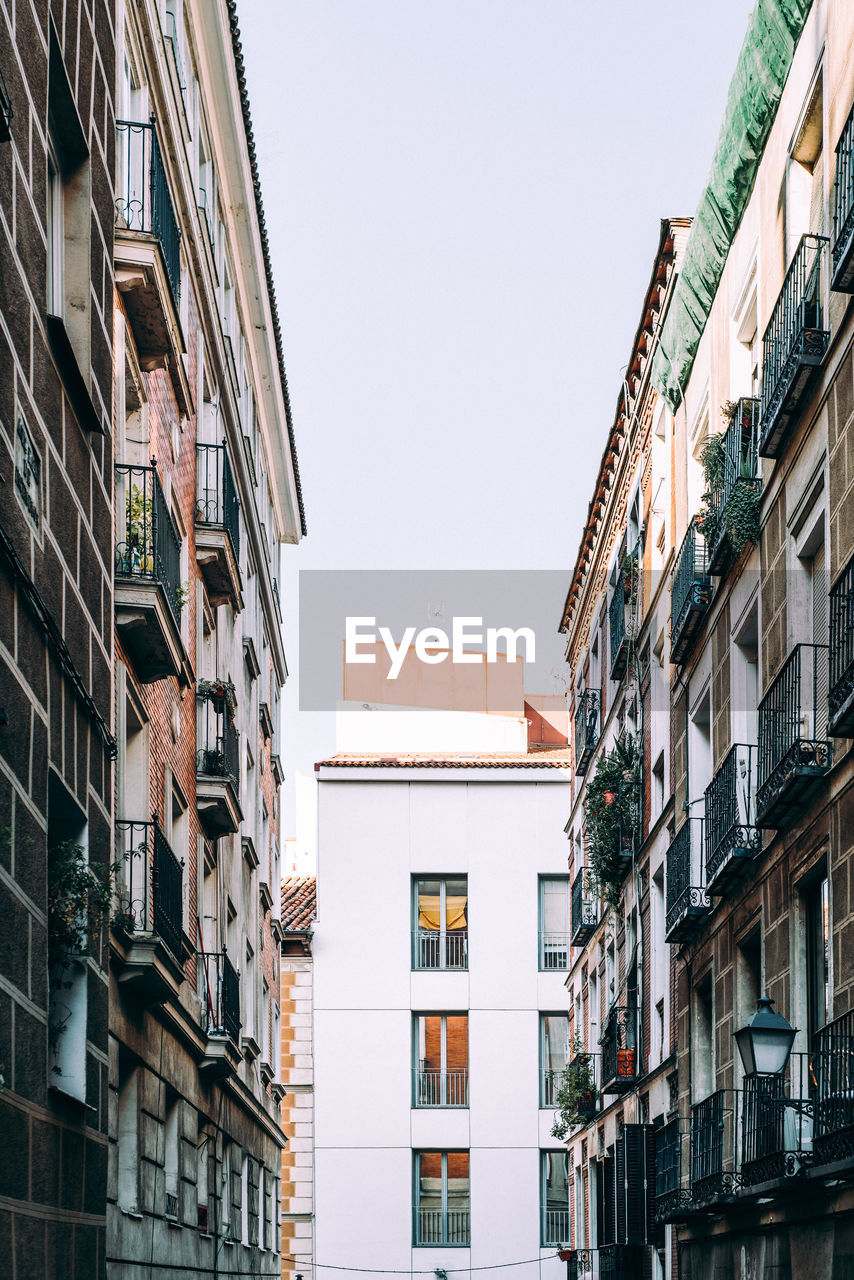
{"x": 752, "y": 101}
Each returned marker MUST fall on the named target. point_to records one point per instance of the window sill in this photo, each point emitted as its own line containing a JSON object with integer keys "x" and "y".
{"x": 72, "y": 376}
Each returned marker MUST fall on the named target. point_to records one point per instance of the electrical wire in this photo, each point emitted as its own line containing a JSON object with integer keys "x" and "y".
{"x": 323, "y": 1266}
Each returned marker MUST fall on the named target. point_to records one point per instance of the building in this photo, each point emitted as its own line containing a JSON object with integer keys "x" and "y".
{"x": 753, "y": 1167}
{"x": 299, "y": 908}
{"x": 206, "y": 491}
{"x": 439, "y": 955}
{"x": 620, "y": 981}
{"x": 57, "y": 77}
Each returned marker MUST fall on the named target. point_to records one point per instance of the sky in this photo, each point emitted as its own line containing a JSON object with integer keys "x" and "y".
{"x": 463, "y": 201}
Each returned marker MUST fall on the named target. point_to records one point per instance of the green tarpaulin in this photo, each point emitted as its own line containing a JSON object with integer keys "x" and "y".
{"x": 754, "y": 95}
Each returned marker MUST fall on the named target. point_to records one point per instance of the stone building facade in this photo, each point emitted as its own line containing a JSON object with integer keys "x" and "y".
{"x": 299, "y": 910}
{"x": 750, "y": 770}
{"x": 206, "y": 492}
{"x": 57, "y": 76}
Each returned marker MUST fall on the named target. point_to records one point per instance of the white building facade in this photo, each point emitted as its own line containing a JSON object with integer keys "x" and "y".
{"x": 440, "y": 1012}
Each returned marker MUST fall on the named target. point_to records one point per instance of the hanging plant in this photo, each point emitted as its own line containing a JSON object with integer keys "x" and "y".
{"x": 79, "y": 899}
{"x": 612, "y": 815}
{"x": 221, "y": 693}
{"x": 630, "y": 570}
{"x": 740, "y": 511}
{"x": 575, "y": 1096}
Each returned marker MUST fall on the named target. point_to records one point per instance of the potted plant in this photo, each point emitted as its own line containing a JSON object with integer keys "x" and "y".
{"x": 611, "y": 812}
{"x": 575, "y": 1097}
{"x": 220, "y": 693}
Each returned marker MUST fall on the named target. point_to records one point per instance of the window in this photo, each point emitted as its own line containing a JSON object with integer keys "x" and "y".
{"x": 127, "y": 1133}
{"x": 68, "y": 932}
{"x": 171, "y": 1140}
{"x": 804, "y": 193}
{"x": 816, "y": 908}
{"x": 702, "y": 1040}
{"x": 440, "y": 1052}
{"x": 748, "y": 980}
{"x": 55, "y": 233}
{"x": 554, "y": 1054}
{"x": 227, "y": 1193}
{"x": 440, "y": 929}
{"x": 554, "y": 923}
{"x": 203, "y": 1156}
{"x": 554, "y": 1198}
{"x": 442, "y": 1198}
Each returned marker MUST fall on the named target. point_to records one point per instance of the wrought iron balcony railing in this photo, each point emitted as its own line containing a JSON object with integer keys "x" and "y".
{"x": 794, "y": 752}
{"x": 147, "y": 542}
{"x": 216, "y": 496}
{"x": 143, "y": 200}
{"x": 554, "y": 951}
{"x": 220, "y": 994}
{"x": 580, "y": 1264}
{"x": 732, "y": 836}
{"x": 441, "y": 1227}
{"x": 621, "y": 1261}
{"x": 669, "y": 1196}
{"x": 841, "y": 692}
{"x": 219, "y": 754}
{"x": 618, "y": 1045}
{"x": 833, "y": 1072}
{"x": 437, "y": 949}
{"x": 686, "y": 898}
{"x": 842, "y": 279}
{"x": 777, "y": 1123}
{"x": 554, "y": 1227}
{"x": 584, "y": 906}
{"x": 741, "y": 470}
{"x": 794, "y": 344}
{"x": 690, "y": 592}
{"x": 150, "y": 884}
{"x": 448, "y": 1088}
{"x": 714, "y": 1148}
{"x": 617, "y": 628}
{"x": 587, "y": 728}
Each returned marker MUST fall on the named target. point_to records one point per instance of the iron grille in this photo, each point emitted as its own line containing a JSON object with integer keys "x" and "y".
{"x": 617, "y": 627}
{"x": 148, "y": 545}
{"x": 216, "y": 496}
{"x": 793, "y": 746}
{"x": 707, "y": 1145}
{"x": 150, "y": 883}
{"x": 144, "y": 202}
{"x": 219, "y": 756}
{"x": 794, "y": 341}
{"x": 841, "y": 692}
{"x": 686, "y": 900}
{"x": 691, "y": 591}
{"x": 554, "y": 951}
{"x": 220, "y": 994}
{"x": 740, "y": 467}
{"x": 448, "y": 1088}
{"x": 441, "y": 1227}
{"x": 668, "y": 1169}
{"x": 833, "y": 1069}
{"x": 586, "y": 727}
{"x": 584, "y": 906}
{"x": 617, "y": 1042}
{"x": 436, "y": 949}
{"x": 843, "y": 210}
{"x": 731, "y": 811}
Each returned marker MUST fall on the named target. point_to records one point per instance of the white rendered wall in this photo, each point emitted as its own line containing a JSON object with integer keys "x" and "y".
{"x": 501, "y": 828}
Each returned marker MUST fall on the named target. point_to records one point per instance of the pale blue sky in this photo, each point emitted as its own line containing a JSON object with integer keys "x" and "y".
{"x": 463, "y": 200}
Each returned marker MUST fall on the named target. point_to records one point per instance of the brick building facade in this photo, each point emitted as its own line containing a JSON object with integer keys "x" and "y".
{"x": 57, "y": 66}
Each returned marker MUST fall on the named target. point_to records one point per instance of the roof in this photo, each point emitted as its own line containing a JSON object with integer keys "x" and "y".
{"x": 542, "y": 758}
{"x": 299, "y": 902}
{"x": 240, "y": 68}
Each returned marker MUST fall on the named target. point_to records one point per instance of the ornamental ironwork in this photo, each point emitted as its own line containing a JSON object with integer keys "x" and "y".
{"x": 794, "y": 751}
{"x": 732, "y": 836}
{"x": 690, "y": 592}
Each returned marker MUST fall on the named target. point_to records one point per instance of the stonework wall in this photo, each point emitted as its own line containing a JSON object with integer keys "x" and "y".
{"x": 297, "y": 1114}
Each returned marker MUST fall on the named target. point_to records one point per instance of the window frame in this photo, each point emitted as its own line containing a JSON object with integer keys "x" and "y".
{"x": 542, "y": 881}
{"x": 417, "y": 1243}
{"x": 417, "y": 1070}
{"x": 442, "y": 933}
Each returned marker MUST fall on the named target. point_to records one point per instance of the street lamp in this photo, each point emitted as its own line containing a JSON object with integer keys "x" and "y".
{"x": 765, "y": 1041}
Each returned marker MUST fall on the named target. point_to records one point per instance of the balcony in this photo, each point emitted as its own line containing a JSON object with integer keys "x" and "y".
{"x": 149, "y": 919}
{"x": 793, "y": 346}
{"x": 438, "y": 949}
{"x": 147, "y": 253}
{"x": 841, "y": 692}
{"x": 714, "y": 1150}
{"x": 794, "y": 753}
{"x": 554, "y": 952}
{"x": 219, "y": 991}
{"x": 441, "y": 1088}
{"x": 777, "y": 1125}
{"x": 741, "y": 470}
{"x": 217, "y": 525}
{"x": 833, "y": 1069}
{"x": 669, "y": 1196}
{"x": 842, "y": 265}
{"x": 617, "y": 630}
{"x": 690, "y": 593}
{"x": 586, "y": 728}
{"x": 584, "y": 907}
{"x": 441, "y": 1227}
{"x": 148, "y": 575}
{"x": 732, "y": 836}
{"x": 217, "y": 771}
{"x": 621, "y": 1261}
{"x": 619, "y": 1066}
{"x": 688, "y": 902}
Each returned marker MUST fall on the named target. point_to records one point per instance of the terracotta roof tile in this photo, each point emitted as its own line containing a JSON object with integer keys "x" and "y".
{"x": 542, "y": 758}
{"x": 299, "y": 902}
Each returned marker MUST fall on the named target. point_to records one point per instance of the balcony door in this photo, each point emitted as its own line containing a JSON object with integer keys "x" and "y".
{"x": 554, "y": 1054}
{"x": 441, "y": 1060}
{"x": 440, "y": 934}
{"x": 554, "y": 923}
